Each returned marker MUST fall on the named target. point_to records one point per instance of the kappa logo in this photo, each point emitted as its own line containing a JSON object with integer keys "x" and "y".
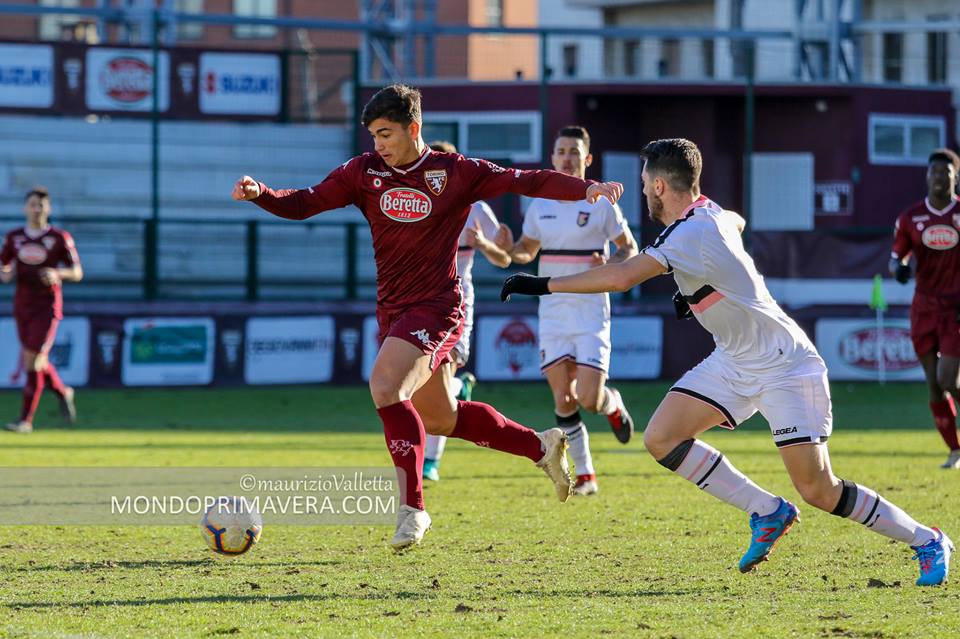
{"x": 380, "y": 173}
{"x": 422, "y": 335}
{"x": 784, "y": 431}
{"x": 436, "y": 180}
{"x": 956, "y": 220}
{"x": 48, "y": 242}
{"x": 583, "y": 218}
{"x": 400, "y": 447}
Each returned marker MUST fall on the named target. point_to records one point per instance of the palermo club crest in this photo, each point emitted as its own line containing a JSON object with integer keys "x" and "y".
{"x": 583, "y": 218}
{"x": 436, "y": 180}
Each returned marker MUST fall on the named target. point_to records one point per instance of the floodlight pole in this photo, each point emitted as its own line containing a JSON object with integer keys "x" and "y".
{"x": 151, "y": 236}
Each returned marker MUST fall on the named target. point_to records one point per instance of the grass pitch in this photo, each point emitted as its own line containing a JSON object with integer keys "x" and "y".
{"x": 649, "y": 556}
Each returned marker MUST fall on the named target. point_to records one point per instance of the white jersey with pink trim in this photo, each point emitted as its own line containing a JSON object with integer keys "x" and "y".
{"x": 569, "y": 234}
{"x": 704, "y": 251}
{"x": 480, "y": 213}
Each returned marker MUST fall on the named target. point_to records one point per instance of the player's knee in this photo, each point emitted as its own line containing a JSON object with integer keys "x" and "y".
{"x": 383, "y": 391}
{"x": 819, "y": 493}
{"x": 947, "y": 381}
{"x": 658, "y": 441}
{"x": 590, "y": 398}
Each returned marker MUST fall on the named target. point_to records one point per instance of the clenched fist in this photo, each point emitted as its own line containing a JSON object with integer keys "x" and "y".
{"x": 246, "y": 189}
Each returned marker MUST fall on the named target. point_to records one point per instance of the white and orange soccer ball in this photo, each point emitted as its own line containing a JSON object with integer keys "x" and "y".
{"x": 231, "y": 526}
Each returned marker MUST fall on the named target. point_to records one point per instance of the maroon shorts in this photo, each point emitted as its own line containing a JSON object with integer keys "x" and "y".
{"x": 934, "y": 326}
{"x": 434, "y": 326}
{"x": 37, "y": 332}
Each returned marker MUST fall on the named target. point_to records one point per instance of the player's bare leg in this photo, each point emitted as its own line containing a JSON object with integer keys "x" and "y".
{"x": 809, "y": 468}
{"x": 399, "y": 370}
{"x": 671, "y": 438}
{"x": 562, "y": 378}
{"x": 595, "y": 396}
{"x": 943, "y": 400}
{"x": 484, "y": 426}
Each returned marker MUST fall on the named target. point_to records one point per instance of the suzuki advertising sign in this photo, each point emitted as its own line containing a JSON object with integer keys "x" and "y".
{"x": 240, "y": 83}
{"x": 26, "y": 76}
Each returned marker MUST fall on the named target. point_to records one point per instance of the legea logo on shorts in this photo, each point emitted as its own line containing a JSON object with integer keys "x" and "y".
{"x": 405, "y": 205}
{"x": 940, "y": 237}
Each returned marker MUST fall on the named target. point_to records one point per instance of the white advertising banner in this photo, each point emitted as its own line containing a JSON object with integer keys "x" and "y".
{"x": 70, "y": 352}
{"x": 851, "y": 349}
{"x": 240, "y": 83}
{"x": 507, "y": 348}
{"x": 637, "y": 345}
{"x": 168, "y": 351}
{"x": 26, "y": 76}
{"x": 289, "y": 350}
{"x": 122, "y": 79}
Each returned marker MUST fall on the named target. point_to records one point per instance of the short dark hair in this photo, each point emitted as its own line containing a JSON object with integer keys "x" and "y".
{"x": 40, "y": 191}
{"x": 574, "y": 131}
{"x": 945, "y": 155}
{"x": 397, "y": 103}
{"x": 676, "y": 160}
{"x": 443, "y": 146}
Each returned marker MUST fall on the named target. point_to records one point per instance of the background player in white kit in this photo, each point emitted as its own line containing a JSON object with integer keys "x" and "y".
{"x": 763, "y": 361}
{"x": 478, "y": 234}
{"x": 574, "y": 330}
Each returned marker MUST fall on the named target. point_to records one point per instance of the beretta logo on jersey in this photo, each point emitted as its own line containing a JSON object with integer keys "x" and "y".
{"x": 32, "y": 254}
{"x": 405, "y": 205}
{"x": 940, "y": 237}
{"x": 436, "y": 180}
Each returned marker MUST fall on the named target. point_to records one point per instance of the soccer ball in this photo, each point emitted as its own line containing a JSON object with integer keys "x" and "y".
{"x": 231, "y": 526}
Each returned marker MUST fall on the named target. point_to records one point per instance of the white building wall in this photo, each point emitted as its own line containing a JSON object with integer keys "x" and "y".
{"x": 558, "y": 13}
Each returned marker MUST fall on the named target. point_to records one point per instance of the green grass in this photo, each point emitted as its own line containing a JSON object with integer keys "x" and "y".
{"x": 650, "y": 556}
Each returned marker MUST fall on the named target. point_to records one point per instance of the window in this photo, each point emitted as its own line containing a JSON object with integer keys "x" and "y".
{"x": 904, "y": 139}
{"x": 708, "y": 60}
{"x": 259, "y": 9}
{"x": 52, "y": 26}
{"x": 570, "y": 54}
{"x": 893, "y": 57}
{"x": 494, "y": 11}
{"x": 631, "y": 58}
{"x": 669, "y": 66}
{"x": 189, "y": 30}
{"x": 512, "y": 135}
{"x": 446, "y": 131}
{"x": 937, "y": 58}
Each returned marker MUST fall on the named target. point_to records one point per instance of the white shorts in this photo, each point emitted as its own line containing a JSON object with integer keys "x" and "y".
{"x": 796, "y": 404}
{"x": 585, "y": 349}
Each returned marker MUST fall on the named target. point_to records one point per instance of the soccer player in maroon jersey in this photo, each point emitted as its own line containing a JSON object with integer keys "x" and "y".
{"x": 40, "y": 257}
{"x": 416, "y": 202}
{"x": 930, "y": 231}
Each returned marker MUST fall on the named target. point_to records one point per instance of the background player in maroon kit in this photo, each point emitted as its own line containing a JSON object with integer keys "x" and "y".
{"x": 930, "y": 231}
{"x": 40, "y": 257}
{"x": 416, "y": 202}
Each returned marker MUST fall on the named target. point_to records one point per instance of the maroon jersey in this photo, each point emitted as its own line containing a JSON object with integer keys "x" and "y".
{"x": 31, "y": 253}
{"x": 416, "y": 213}
{"x": 933, "y": 237}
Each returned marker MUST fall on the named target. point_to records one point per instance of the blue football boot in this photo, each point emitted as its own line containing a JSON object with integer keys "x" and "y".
{"x": 934, "y": 557}
{"x": 766, "y": 531}
{"x": 431, "y": 469}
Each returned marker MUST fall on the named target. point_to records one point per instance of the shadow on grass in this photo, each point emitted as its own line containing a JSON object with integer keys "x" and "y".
{"x": 293, "y": 598}
{"x": 94, "y": 566}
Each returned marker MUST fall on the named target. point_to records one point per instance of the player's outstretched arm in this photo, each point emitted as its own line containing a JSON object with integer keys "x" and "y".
{"x": 609, "y": 278}
{"x": 489, "y": 180}
{"x": 334, "y": 192}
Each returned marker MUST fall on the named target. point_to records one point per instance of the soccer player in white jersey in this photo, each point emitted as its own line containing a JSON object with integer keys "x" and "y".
{"x": 763, "y": 361}
{"x": 574, "y": 330}
{"x": 478, "y": 234}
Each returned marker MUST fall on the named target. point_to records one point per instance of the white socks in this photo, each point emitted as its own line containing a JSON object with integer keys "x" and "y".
{"x": 579, "y": 440}
{"x": 866, "y": 507}
{"x": 706, "y": 467}
{"x": 434, "y": 447}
